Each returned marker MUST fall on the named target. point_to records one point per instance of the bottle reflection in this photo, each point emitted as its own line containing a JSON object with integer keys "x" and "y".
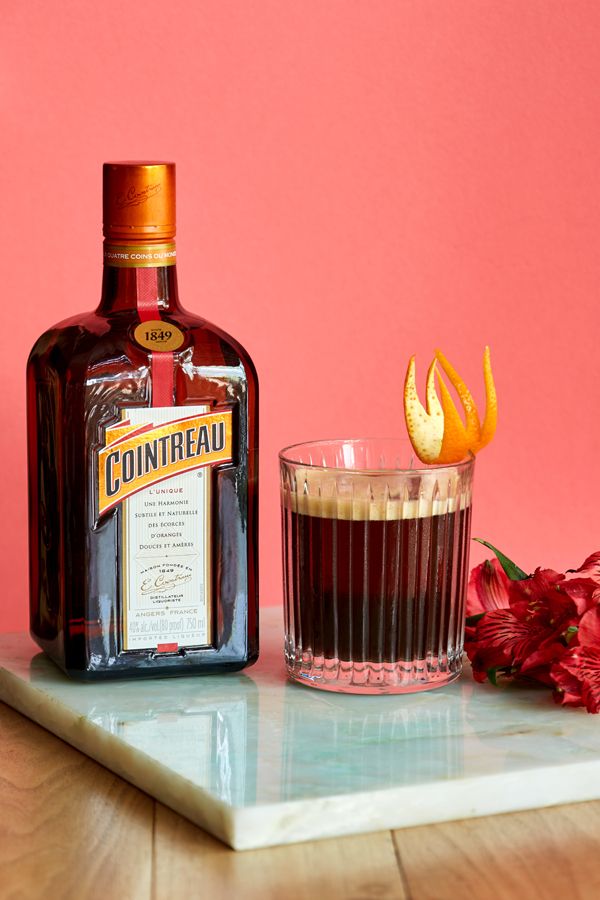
{"x": 204, "y": 730}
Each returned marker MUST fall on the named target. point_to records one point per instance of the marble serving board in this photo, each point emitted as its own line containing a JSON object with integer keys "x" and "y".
{"x": 258, "y": 761}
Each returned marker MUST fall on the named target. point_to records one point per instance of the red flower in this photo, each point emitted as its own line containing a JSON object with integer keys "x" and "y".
{"x": 527, "y": 637}
{"x": 543, "y": 601}
{"x": 544, "y": 627}
{"x": 488, "y": 643}
{"x": 577, "y": 675}
{"x": 488, "y": 588}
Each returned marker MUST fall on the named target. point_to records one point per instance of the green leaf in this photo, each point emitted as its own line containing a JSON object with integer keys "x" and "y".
{"x": 492, "y": 675}
{"x": 511, "y": 569}
{"x": 470, "y": 621}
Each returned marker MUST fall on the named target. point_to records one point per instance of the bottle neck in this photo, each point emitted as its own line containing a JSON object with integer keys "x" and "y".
{"x": 129, "y": 288}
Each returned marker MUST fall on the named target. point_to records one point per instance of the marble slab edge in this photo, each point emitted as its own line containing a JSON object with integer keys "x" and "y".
{"x": 134, "y": 766}
{"x": 265, "y": 825}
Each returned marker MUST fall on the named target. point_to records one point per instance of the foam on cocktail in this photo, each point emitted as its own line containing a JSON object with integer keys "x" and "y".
{"x": 331, "y": 494}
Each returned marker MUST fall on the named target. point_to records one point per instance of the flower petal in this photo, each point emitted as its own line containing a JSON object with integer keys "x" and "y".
{"x": 589, "y": 629}
{"x": 517, "y": 638}
{"x": 542, "y": 599}
{"x": 486, "y": 657}
{"x": 488, "y": 588}
{"x": 567, "y": 686}
{"x": 536, "y": 586}
{"x": 578, "y": 676}
{"x": 584, "y": 592}
{"x": 590, "y": 685}
{"x": 589, "y": 569}
{"x": 538, "y": 664}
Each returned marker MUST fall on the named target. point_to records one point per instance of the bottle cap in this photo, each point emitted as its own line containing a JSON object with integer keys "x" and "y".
{"x": 139, "y": 201}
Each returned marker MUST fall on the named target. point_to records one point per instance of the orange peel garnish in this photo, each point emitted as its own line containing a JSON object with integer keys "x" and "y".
{"x": 425, "y": 425}
{"x": 437, "y": 431}
{"x": 490, "y": 421}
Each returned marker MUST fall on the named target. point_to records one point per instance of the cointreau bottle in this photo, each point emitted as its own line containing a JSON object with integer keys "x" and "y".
{"x": 142, "y": 425}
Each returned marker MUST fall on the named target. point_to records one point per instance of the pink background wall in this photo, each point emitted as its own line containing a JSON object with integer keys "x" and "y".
{"x": 358, "y": 180}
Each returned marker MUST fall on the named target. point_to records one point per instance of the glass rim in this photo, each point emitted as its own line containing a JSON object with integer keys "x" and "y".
{"x": 465, "y": 463}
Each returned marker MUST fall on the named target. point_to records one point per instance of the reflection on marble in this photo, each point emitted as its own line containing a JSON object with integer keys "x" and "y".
{"x": 258, "y": 761}
{"x": 369, "y": 746}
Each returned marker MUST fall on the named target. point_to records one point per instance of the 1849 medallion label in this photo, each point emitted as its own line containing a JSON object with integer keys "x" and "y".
{"x": 158, "y": 335}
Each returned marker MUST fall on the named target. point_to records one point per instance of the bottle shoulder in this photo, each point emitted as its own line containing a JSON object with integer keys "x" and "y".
{"x": 65, "y": 336}
{"x": 89, "y": 339}
{"x": 210, "y": 336}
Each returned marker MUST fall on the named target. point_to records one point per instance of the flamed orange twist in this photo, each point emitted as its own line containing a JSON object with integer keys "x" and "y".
{"x": 437, "y": 431}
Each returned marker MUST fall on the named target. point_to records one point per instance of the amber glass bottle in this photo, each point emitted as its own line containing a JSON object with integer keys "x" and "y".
{"x": 142, "y": 430}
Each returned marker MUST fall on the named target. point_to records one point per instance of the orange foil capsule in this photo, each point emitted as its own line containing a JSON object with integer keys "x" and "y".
{"x": 139, "y": 201}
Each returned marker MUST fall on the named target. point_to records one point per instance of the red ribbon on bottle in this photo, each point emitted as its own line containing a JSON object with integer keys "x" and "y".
{"x": 161, "y": 361}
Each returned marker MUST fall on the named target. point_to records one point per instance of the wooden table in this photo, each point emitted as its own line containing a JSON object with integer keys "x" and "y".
{"x": 71, "y": 829}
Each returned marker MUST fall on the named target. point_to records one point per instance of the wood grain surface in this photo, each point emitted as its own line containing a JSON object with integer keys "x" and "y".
{"x": 71, "y": 829}
{"x": 535, "y": 855}
{"x": 67, "y": 825}
{"x": 360, "y": 866}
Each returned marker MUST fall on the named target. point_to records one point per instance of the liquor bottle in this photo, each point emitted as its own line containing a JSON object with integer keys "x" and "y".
{"x": 142, "y": 437}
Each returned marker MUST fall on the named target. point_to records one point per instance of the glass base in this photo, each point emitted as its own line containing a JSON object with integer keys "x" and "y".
{"x": 347, "y": 677}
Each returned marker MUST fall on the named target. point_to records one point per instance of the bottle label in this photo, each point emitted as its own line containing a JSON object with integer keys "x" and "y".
{"x": 140, "y": 256}
{"x": 151, "y": 444}
{"x": 157, "y": 463}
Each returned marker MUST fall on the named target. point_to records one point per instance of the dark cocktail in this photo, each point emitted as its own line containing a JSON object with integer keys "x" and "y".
{"x": 375, "y": 566}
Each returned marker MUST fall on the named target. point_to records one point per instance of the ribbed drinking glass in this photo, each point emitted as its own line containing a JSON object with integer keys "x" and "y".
{"x": 375, "y": 559}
